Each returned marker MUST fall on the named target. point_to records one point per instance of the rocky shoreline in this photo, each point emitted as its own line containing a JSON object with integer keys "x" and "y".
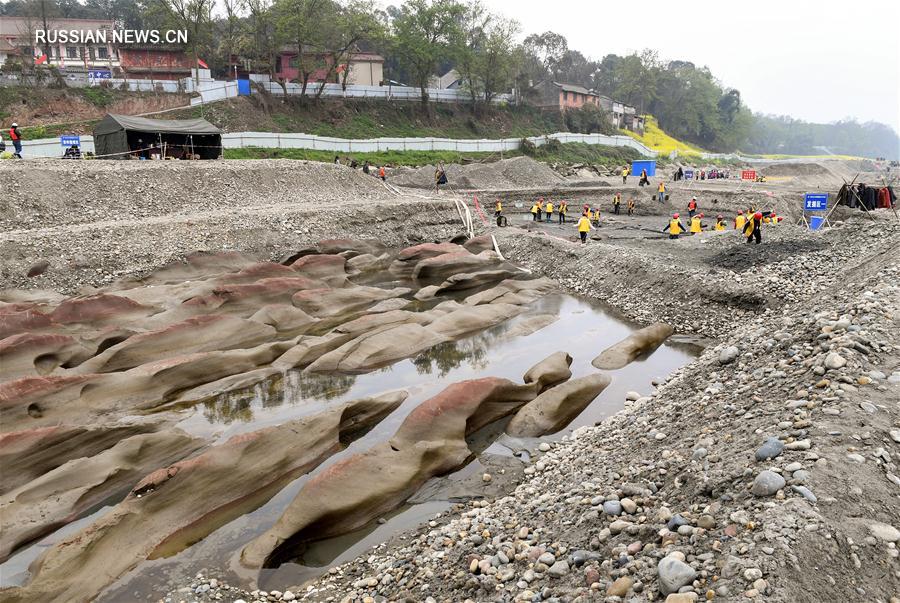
{"x": 765, "y": 470}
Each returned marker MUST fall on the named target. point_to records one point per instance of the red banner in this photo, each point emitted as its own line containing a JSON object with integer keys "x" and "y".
{"x": 480, "y": 213}
{"x": 748, "y": 175}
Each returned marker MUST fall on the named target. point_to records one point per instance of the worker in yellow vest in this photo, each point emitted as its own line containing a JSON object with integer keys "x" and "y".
{"x": 617, "y": 201}
{"x": 661, "y": 192}
{"x": 753, "y": 228}
{"x": 739, "y": 220}
{"x": 595, "y": 216}
{"x": 563, "y": 210}
{"x": 696, "y": 224}
{"x": 624, "y": 174}
{"x": 584, "y": 227}
{"x": 548, "y": 209}
{"x": 674, "y": 227}
{"x": 498, "y": 208}
{"x": 534, "y": 211}
{"x": 720, "y": 223}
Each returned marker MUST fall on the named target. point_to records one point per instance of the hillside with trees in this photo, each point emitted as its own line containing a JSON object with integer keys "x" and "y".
{"x": 423, "y": 38}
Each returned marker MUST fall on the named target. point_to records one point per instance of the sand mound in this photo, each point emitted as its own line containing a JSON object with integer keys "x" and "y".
{"x": 795, "y": 169}
{"x": 518, "y": 172}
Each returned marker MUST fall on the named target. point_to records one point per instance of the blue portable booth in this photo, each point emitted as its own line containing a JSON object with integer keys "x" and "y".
{"x": 637, "y": 166}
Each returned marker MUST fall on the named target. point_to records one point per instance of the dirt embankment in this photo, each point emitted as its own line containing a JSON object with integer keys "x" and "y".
{"x": 515, "y": 173}
{"x": 92, "y": 222}
{"x": 32, "y": 107}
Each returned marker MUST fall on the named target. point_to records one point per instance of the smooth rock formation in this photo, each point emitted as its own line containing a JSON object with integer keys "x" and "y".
{"x": 350, "y": 493}
{"x": 330, "y": 269}
{"x": 33, "y": 354}
{"x": 640, "y": 342}
{"x": 513, "y": 292}
{"x": 550, "y": 371}
{"x": 33, "y": 452}
{"x": 99, "y": 309}
{"x": 324, "y": 303}
{"x": 468, "y": 319}
{"x": 531, "y": 324}
{"x": 286, "y": 318}
{"x": 193, "y": 335}
{"x": 555, "y": 408}
{"x": 442, "y": 267}
{"x": 157, "y": 519}
{"x": 63, "y": 494}
{"x": 378, "y": 349}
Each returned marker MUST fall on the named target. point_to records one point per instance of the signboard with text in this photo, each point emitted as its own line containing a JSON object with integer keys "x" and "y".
{"x": 748, "y": 174}
{"x": 95, "y": 75}
{"x": 688, "y": 174}
{"x": 815, "y": 202}
{"x": 68, "y": 140}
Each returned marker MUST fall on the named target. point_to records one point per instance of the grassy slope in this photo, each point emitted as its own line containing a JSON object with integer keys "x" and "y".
{"x": 571, "y": 153}
{"x": 362, "y": 119}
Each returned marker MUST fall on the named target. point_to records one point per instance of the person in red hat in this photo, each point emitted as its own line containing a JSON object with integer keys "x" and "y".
{"x": 720, "y": 222}
{"x": 740, "y": 220}
{"x": 753, "y": 228}
{"x": 674, "y": 227}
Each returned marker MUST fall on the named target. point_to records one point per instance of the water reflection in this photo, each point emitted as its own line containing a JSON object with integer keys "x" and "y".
{"x": 298, "y": 386}
{"x": 288, "y": 388}
{"x": 450, "y": 355}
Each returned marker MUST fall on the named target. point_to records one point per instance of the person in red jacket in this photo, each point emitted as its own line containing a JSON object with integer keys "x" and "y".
{"x": 692, "y": 207}
{"x": 16, "y": 138}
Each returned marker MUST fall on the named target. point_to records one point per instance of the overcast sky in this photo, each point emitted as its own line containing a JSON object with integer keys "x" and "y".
{"x": 807, "y": 59}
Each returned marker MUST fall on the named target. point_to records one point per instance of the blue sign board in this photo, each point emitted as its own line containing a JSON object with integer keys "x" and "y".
{"x": 688, "y": 174}
{"x": 99, "y": 74}
{"x": 637, "y": 166}
{"x": 243, "y": 87}
{"x": 815, "y": 202}
{"x": 68, "y": 140}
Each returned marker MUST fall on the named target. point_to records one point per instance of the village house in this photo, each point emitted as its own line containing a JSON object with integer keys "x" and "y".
{"x": 17, "y": 44}
{"x": 563, "y": 96}
{"x": 366, "y": 68}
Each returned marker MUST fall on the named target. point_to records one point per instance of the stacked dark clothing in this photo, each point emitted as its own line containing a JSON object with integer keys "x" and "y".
{"x": 867, "y": 197}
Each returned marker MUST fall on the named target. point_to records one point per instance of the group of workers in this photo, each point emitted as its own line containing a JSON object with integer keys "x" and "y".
{"x": 749, "y": 224}
{"x": 542, "y": 210}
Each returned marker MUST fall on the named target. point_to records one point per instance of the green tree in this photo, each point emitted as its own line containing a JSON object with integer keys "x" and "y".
{"x": 425, "y": 31}
{"x": 307, "y": 25}
{"x": 357, "y": 21}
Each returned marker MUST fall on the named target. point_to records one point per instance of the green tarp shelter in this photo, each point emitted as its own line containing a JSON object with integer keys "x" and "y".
{"x": 123, "y": 137}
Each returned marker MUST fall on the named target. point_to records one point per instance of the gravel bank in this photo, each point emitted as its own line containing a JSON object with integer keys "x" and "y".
{"x": 93, "y": 222}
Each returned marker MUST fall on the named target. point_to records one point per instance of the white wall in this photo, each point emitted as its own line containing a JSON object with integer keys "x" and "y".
{"x": 50, "y": 147}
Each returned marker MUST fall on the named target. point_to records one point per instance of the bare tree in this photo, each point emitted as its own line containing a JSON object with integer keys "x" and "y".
{"x": 195, "y": 16}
